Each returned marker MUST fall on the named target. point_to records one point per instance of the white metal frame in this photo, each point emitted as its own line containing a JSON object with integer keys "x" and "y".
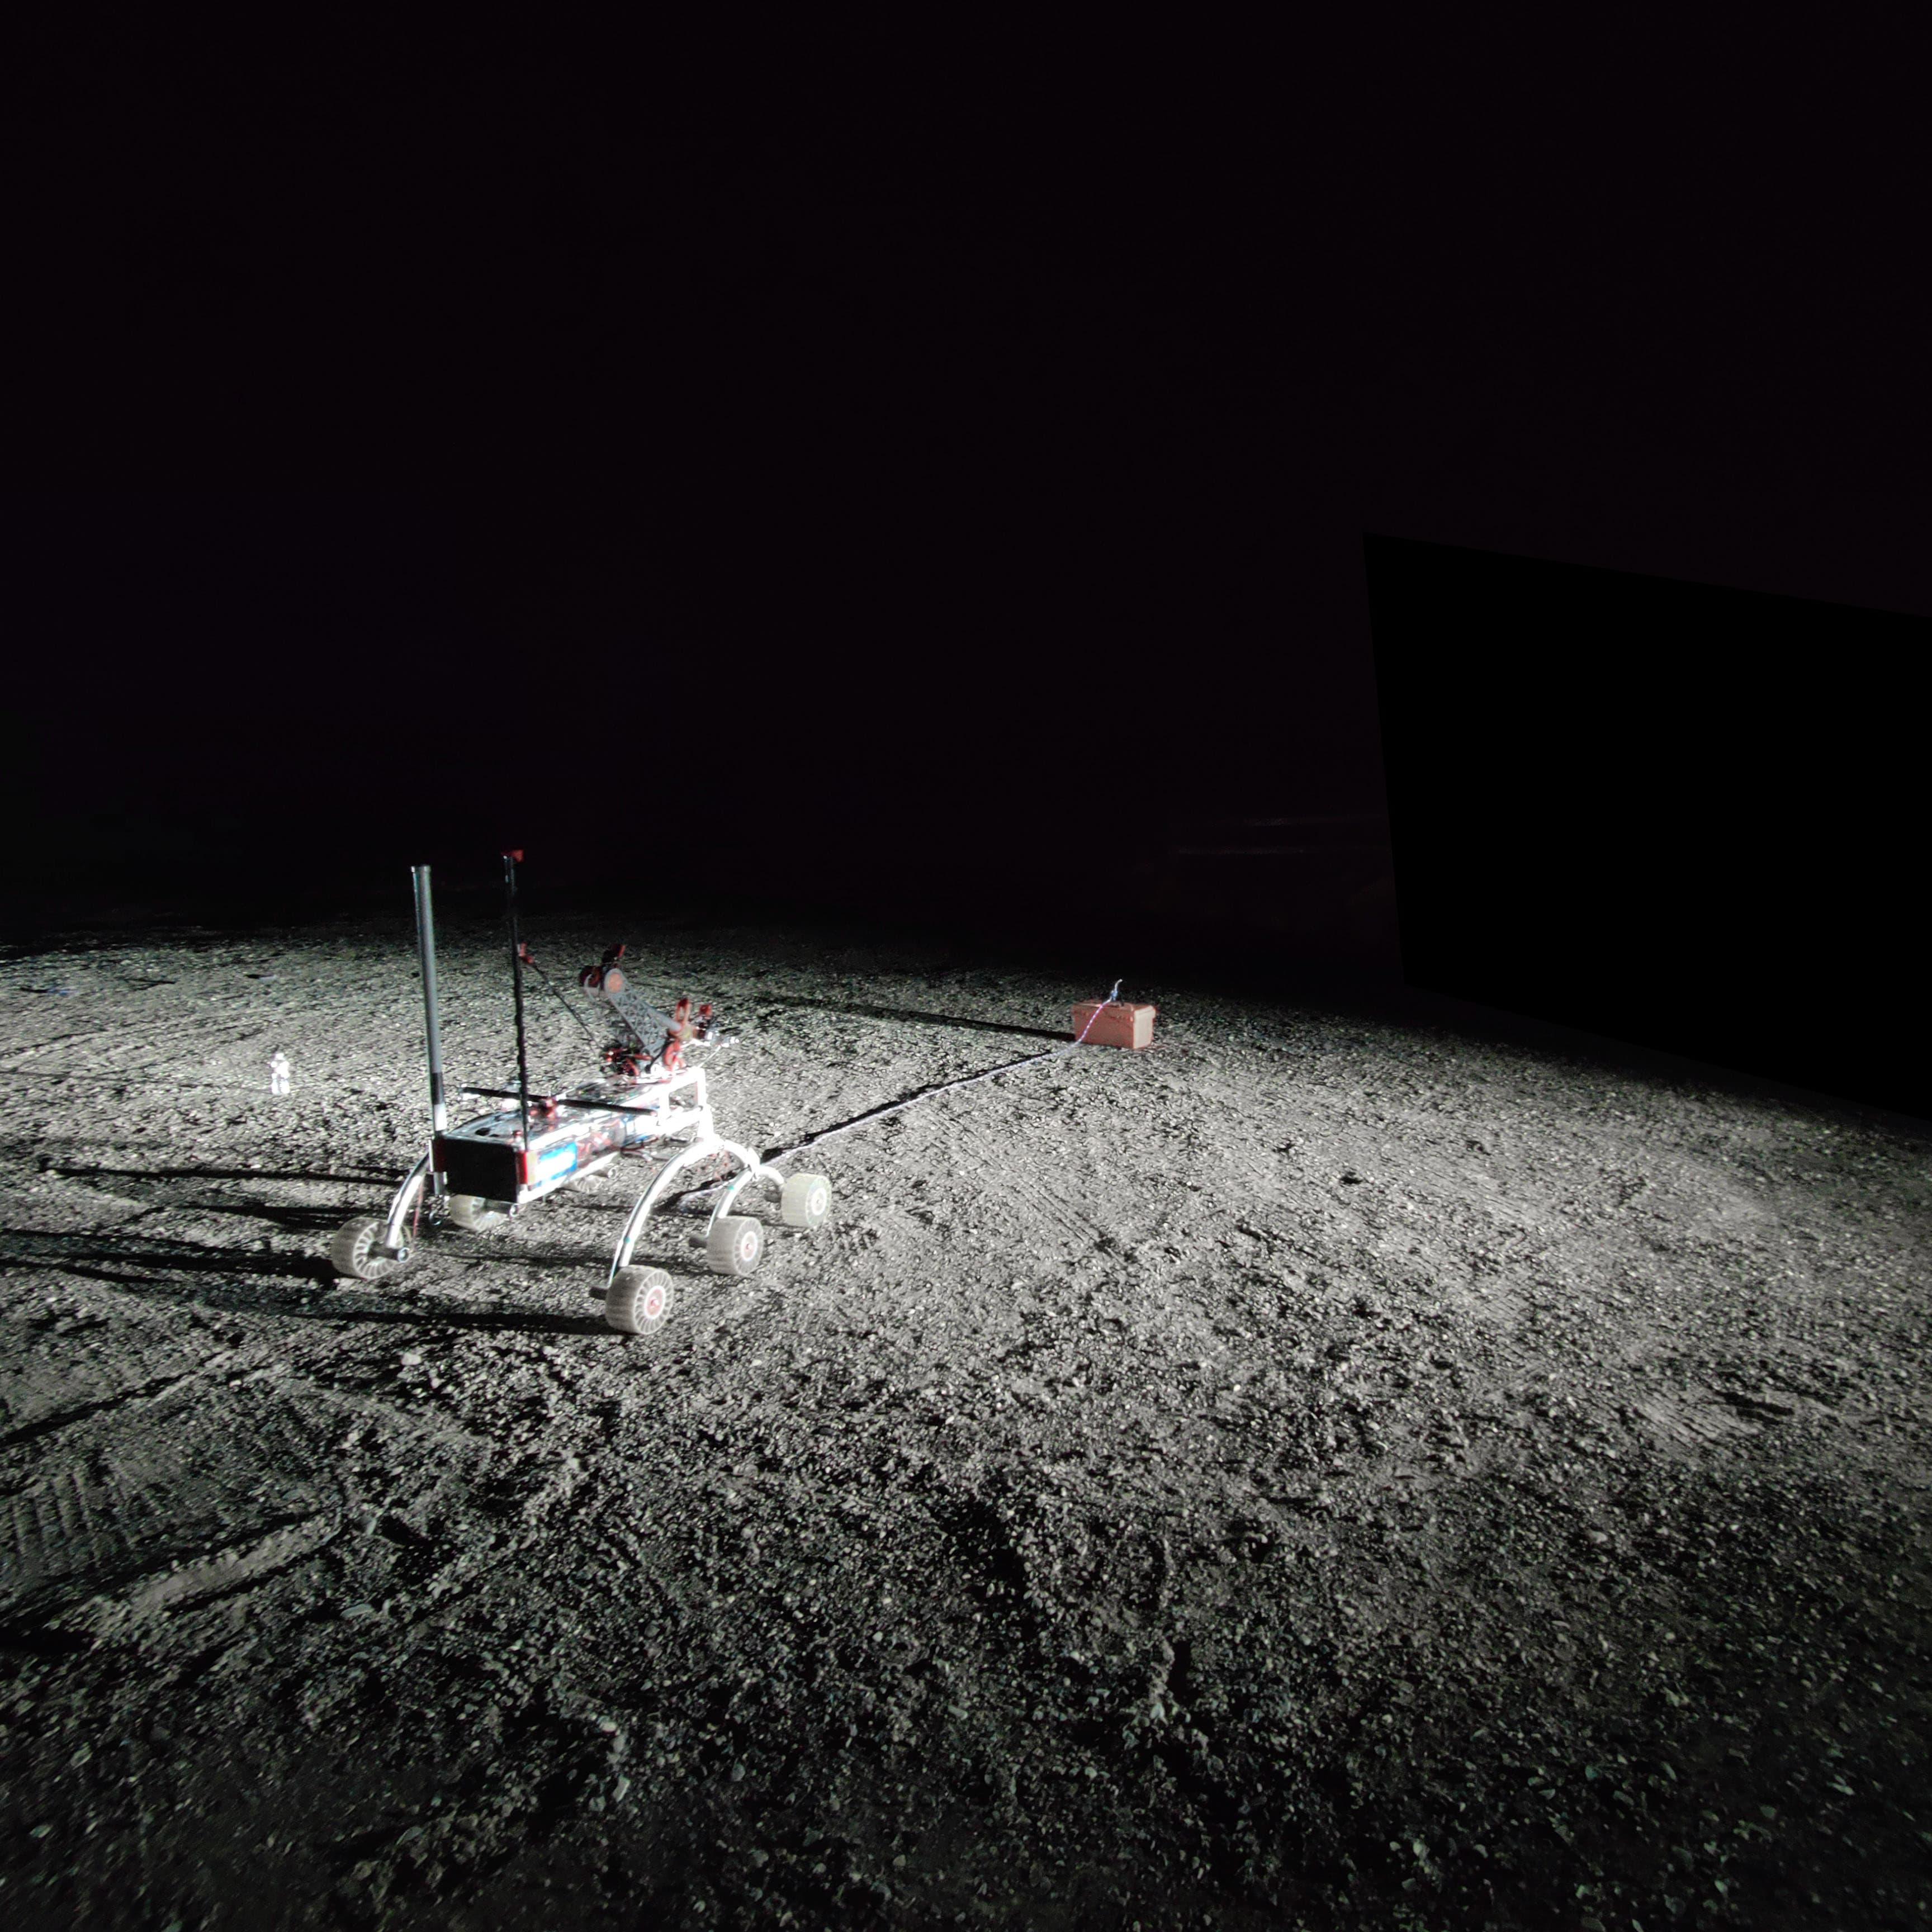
{"x": 694, "y": 1118}
{"x": 709, "y": 1142}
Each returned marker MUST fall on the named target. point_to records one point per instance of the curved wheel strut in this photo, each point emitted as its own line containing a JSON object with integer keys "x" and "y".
{"x": 700, "y": 1150}
{"x": 407, "y": 1197}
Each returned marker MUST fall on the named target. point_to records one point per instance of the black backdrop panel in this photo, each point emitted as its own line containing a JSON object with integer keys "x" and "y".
{"x": 1692, "y": 817}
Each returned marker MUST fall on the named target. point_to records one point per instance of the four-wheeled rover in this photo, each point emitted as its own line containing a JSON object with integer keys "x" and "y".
{"x": 651, "y": 1102}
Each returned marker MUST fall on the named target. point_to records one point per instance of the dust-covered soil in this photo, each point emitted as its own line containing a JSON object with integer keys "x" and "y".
{"x": 1323, "y": 1471}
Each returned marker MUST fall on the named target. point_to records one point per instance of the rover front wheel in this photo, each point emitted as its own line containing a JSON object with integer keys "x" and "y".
{"x": 357, "y": 1251}
{"x": 638, "y": 1300}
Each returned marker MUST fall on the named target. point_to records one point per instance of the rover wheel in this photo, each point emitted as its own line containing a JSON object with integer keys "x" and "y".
{"x": 357, "y": 1251}
{"x": 638, "y": 1300}
{"x": 472, "y": 1212}
{"x": 806, "y": 1201}
{"x": 735, "y": 1244}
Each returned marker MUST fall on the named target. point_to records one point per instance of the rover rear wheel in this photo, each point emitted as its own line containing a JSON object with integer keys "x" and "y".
{"x": 735, "y": 1244}
{"x": 472, "y": 1212}
{"x": 806, "y": 1201}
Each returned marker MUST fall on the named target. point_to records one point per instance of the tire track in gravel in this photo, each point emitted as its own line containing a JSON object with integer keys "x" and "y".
{"x": 1401, "y": 1188}
{"x": 1387, "y": 1207}
{"x": 69, "y": 1537}
{"x": 192, "y": 1576}
{"x": 1042, "y": 1206}
{"x": 195, "y": 1496}
{"x": 116, "y": 1040}
{"x": 67, "y": 1418}
{"x": 62, "y": 1372}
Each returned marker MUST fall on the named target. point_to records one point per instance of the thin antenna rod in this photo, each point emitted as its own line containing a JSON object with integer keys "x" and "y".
{"x": 516, "y": 979}
{"x": 438, "y": 1113}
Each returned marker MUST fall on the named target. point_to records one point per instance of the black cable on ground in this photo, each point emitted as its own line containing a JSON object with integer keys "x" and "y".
{"x": 772, "y": 1155}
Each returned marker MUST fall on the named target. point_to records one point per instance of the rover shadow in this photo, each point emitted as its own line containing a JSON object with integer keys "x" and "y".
{"x": 148, "y": 1262}
{"x": 286, "y": 1286}
{"x": 376, "y": 1176}
{"x": 479, "y": 1320}
{"x": 170, "y": 1288}
{"x": 322, "y": 1221}
{"x": 295, "y": 1218}
{"x": 125, "y": 1260}
{"x": 474, "y": 1250}
{"x": 283, "y": 1288}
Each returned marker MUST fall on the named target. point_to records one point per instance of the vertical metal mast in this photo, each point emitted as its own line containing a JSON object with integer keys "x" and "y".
{"x": 516, "y": 979}
{"x": 438, "y": 1113}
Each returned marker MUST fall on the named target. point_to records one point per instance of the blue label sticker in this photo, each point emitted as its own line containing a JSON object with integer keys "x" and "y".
{"x": 556, "y": 1160}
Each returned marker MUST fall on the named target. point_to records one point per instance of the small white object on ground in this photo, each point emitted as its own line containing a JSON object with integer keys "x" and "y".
{"x": 278, "y": 1072}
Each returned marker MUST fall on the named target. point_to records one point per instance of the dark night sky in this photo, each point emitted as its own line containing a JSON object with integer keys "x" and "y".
{"x": 939, "y": 444}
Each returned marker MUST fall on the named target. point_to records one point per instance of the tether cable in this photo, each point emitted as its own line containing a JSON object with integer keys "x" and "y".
{"x": 772, "y": 1155}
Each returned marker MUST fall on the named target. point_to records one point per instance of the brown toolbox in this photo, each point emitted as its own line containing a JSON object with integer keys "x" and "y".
{"x": 1119, "y": 1024}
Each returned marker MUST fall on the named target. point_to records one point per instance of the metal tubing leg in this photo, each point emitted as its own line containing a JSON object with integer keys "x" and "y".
{"x": 699, "y": 1151}
{"x": 439, "y": 1115}
{"x": 399, "y": 1208}
{"x": 753, "y": 1168}
{"x": 634, "y": 1226}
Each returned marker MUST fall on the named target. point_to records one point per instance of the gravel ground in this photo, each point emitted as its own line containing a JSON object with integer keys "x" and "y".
{"x": 1320, "y": 1472}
